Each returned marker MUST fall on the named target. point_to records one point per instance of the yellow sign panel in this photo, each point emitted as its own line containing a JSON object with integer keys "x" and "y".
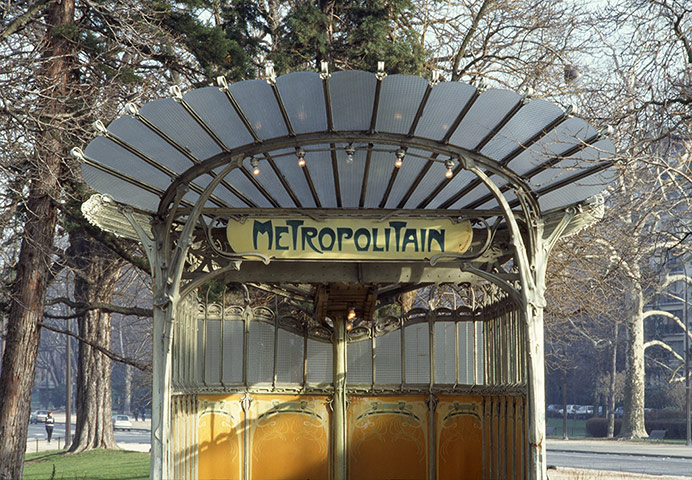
{"x": 349, "y": 238}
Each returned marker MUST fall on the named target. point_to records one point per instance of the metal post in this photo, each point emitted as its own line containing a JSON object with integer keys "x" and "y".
{"x": 688, "y": 440}
{"x": 339, "y": 400}
{"x": 68, "y": 389}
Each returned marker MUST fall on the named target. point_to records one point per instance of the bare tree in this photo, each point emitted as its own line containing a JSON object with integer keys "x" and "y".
{"x": 32, "y": 274}
{"x": 97, "y": 271}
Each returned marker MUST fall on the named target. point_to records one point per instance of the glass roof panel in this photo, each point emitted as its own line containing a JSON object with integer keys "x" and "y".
{"x": 485, "y": 114}
{"x": 216, "y": 110}
{"x": 287, "y": 164}
{"x": 400, "y": 97}
{"x": 352, "y": 97}
{"x": 458, "y": 181}
{"x": 446, "y": 100}
{"x": 431, "y": 180}
{"x": 351, "y": 177}
{"x": 530, "y": 119}
{"x": 171, "y": 118}
{"x": 119, "y": 190}
{"x": 319, "y": 164}
{"x": 569, "y": 132}
{"x": 303, "y": 96}
{"x": 381, "y": 170}
{"x": 509, "y": 195}
{"x": 579, "y": 190}
{"x": 240, "y": 181}
{"x": 581, "y": 160}
{"x": 407, "y": 174}
{"x": 110, "y": 154}
{"x": 221, "y": 192}
{"x": 257, "y": 101}
{"x": 271, "y": 183}
{"x": 479, "y": 191}
{"x": 133, "y": 132}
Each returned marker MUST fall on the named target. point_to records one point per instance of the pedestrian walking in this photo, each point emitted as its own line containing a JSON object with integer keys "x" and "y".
{"x": 50, "y": 423}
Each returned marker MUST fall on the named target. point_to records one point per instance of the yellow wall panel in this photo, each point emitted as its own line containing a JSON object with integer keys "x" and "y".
{"x": 388, "y": 438}
{"x": 289, "y": 437}
{"x": 219, "y": 436}
{"x": 459, "y": 440}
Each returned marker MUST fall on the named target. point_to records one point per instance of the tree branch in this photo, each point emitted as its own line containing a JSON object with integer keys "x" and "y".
{"x": 113, "y": 356}
{"x": 664, "y": 346}
{"x": 23, "y": 19}
{"x": 81, "y": 308}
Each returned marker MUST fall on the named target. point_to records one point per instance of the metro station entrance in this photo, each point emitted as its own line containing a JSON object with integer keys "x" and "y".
{"x": 300, "y": 232}
{"x": 420, "y": 402}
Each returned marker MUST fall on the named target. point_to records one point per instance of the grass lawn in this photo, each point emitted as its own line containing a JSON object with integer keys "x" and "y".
{"x": 575, "y": 428}
{"x": 96, "y": 464}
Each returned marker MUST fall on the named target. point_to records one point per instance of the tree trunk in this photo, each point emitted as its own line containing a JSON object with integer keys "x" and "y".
{"x": 564, "y": 404}
{"x": 29, "y": 289}
{"x": 97, "y": 273}
{"x": 127, "y": 390}
{"x": 611, "y": 387}
{"x": 633, "y": 417}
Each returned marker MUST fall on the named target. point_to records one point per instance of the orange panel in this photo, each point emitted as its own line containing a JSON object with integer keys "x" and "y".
{"x": 459, "y": 438}
{"x": 502, "y": 447}
{"x": 388, "y": 438}
{"x": 220, "y": 443}
{"x": 289, "y": 437}
{"x": 511, "y": 437}
{"x": 520, "y": 437}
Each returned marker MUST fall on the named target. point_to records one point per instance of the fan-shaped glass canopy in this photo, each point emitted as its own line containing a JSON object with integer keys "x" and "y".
{"x": 349, "y": 126}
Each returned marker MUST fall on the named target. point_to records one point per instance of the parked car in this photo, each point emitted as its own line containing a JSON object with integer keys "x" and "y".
{"x": 584, "y": 411}
{"x": 571, "y": 409}
{"x": 39, "y": 416}
{"x": 553, "y": 410}
{"x": 121, "y": 422}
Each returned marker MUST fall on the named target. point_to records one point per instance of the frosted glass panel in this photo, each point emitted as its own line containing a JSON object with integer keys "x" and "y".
{"x": 212, "y": 354}
{"x": 465, "y": 338}
{"x": 303, "y": 98}
{"x": 388, "y": 358}
{"x": 200, "y": 348}
{"x": 257, "y": 101}
{"x": 172, "y": 119}
{"x": 289, "y": 358}
{"x": 359, "y": 362}
{"x": 480, "y": 354}
{"x": 353, "y": 96}
{"x": 417, "y": 352}
{"x": 400, "y": 98}
{"x": 261, "y": 356}
{"x": 444, "y": 352}
{"x": 319, "y": 362}
{"x": 233, "y": 351}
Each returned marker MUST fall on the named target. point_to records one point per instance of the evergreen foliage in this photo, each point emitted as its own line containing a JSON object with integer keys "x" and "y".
{"x": 236, "y": 38}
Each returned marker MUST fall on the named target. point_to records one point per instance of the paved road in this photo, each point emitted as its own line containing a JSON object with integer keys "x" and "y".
{"x": 622, "y": 463}
{"x": 636, "y": 457}
{"x": 136, "y": 439}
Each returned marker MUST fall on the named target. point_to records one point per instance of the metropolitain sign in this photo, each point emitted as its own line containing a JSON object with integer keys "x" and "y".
{"x": 349, "y": 238}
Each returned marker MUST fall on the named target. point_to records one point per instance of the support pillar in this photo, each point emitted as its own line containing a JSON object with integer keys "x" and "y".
{"x": 536, "y": 392}
{"x": 531, "y": 258}
{"x": 339, "y": 455}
